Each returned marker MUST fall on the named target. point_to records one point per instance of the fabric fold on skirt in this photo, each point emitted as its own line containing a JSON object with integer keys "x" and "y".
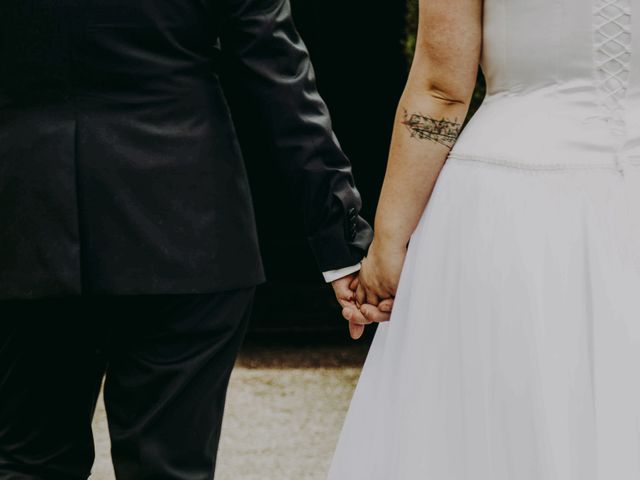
{"x": 513, "y": 351}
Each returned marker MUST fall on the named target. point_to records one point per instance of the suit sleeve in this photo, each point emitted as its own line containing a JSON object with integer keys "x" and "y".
{"x": 272, "y": 63}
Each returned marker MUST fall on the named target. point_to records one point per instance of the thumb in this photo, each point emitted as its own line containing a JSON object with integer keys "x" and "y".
{"x": 341, "y": 289}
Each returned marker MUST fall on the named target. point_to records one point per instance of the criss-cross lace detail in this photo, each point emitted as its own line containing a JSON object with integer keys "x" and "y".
{"x": 612, "y": 41}
{"x": 613, "y": 47}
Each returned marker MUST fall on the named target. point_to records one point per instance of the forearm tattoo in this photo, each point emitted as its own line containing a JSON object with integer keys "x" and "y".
{"x": 442, "y": 131}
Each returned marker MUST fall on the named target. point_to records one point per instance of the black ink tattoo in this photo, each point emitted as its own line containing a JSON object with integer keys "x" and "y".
{"x": 442, "y": 131}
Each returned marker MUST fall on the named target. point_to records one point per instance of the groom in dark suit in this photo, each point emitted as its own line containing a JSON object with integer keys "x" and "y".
{"x": 128, "y": 247}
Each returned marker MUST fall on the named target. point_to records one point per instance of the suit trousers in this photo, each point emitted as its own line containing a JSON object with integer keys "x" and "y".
{"x": 165, "y": 360}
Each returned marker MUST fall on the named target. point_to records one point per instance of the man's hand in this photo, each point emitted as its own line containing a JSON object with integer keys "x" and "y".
{"x": 350, "y": 311}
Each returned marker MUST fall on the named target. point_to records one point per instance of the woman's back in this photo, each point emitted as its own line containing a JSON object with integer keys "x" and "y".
{"x": 563, "y": 86}
{"x": 513, "y": 347}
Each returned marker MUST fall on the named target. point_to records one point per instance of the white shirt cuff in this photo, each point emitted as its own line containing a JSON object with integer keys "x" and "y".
{"x": 333, "y": 275}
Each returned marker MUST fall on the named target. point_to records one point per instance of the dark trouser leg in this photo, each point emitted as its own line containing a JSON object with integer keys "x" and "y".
{"x": 170, "y": 358}
{"x": 50, "y": 374}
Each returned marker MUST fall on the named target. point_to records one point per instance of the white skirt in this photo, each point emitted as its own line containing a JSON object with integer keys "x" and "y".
{"x": 513, "y": 350}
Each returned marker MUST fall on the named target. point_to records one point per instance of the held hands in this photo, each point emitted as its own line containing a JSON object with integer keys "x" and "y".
{"x": 358, "y": 316}
{"x": 380, "y": 274}
{"x": 367, "y": 297}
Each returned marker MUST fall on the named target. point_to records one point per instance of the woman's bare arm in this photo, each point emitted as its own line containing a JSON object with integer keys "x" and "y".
{"x": 428, "y": 119}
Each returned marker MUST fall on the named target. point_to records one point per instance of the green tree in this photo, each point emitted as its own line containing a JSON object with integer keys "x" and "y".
{"x": 412, "y": 26}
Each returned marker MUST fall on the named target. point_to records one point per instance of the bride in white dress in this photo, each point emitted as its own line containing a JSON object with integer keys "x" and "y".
{"x": 513, "y": 348}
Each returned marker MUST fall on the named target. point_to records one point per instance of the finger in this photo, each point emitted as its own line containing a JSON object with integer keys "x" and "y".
{"x": 343, "y": 291}
{"x": 372, "y": 298}
{"x": 354, "y": 315}
{"x": 386, "y": 305}
{"x": 355, "y": 330}
{"x": 361, "y": 295}
{"x": 346, "y": 303}
{"x": 373, "y": 314}
{"x": 354, "y": 283}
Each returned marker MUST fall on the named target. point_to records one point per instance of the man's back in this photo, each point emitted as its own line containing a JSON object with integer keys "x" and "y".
{"x": 121, "y": 174}
{"x": 121, "y": 171}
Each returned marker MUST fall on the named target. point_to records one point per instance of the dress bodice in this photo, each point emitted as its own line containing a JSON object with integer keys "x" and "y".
{"x": 563, "y": 84}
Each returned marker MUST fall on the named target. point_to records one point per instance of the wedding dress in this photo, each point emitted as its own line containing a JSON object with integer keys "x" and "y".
{"x": 513, "y": 350}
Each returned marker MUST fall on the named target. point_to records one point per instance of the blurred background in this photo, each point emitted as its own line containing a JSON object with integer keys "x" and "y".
{"x": 297, "y": 370}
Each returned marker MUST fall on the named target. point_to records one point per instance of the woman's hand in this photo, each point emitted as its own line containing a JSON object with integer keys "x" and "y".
{"x": 380, "y": 273}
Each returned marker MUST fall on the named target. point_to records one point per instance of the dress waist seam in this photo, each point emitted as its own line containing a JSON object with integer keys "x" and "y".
{"x": 548, "y": 166}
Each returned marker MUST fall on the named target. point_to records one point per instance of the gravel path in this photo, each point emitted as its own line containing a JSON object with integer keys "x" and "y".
{"x": 285, "y": 407}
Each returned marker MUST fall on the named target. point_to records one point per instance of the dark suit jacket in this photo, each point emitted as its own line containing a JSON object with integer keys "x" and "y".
{"x": 120, "y": 170}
